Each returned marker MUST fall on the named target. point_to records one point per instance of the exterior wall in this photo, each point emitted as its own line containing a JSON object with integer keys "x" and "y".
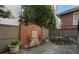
{"x": 26, "y": 32}
{"x": 75, "y": 18}
{"x": 7, "y": 34}
{"x": 58, "y": 22}
{"x": 7, "y": 21}
{"x": 67, "y": 21}
{"x": 45, "y": 33}
{"x": 15, "y": 9}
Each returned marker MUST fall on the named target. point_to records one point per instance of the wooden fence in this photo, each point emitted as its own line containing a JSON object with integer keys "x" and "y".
{"x": 67, "y": 33}
{"x": 7, "y": 34}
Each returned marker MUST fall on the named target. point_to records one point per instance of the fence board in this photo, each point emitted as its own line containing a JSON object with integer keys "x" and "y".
{"x": 8, "y": 34}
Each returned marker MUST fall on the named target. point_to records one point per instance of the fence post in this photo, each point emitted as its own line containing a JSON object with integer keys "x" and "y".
{"x": 78, "y": 36}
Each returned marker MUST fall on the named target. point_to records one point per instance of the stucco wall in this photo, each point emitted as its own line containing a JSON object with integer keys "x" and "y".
{"x": 14, "y": 9}
{"x": 45, "y": 32}
{"x": 7, "y": 21}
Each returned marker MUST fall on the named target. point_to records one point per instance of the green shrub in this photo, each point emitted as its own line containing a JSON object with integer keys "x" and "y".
{"x": 14, "y": 44}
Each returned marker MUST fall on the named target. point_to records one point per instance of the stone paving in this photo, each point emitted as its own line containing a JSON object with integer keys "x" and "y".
{"x": 49, "y": 48}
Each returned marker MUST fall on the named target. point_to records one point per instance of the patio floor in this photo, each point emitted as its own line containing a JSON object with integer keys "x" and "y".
{"x": 49, "y": 48}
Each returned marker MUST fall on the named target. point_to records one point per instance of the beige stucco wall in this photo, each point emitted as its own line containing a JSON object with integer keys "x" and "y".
{"x": 45, "y": 33}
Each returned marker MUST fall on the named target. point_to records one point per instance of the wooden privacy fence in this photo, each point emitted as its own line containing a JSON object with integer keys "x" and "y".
{"x": 66, "y": 33}
{"x": 8, "y": 33}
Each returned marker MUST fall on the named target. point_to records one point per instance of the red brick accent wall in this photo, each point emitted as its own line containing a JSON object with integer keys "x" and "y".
{"x": 67, "y": 21}
{"x": 26, "y": 31}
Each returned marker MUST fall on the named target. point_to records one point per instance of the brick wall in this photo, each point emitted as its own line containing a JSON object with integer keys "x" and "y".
{"x": 26, "y": 32}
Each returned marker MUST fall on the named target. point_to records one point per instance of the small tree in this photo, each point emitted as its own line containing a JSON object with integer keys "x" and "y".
{"x": 42, "y": 15}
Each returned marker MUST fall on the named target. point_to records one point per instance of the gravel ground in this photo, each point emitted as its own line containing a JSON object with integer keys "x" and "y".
{"x": 49, "y": 48}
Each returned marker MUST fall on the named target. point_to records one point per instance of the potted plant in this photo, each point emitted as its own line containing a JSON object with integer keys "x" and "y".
{"x": 14, "y": 46}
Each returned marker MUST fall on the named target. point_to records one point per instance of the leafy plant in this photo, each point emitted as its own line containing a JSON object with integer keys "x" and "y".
{"x": 42, "y": 15}
{"x": 3, "y": 13}
{"x": 14, "y": 44}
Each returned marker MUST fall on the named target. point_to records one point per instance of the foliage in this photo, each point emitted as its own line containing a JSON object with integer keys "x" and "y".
{"x": 14, "y": 44}
{"x": 39, "y": 14}
{"x": 4, "y": 14}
